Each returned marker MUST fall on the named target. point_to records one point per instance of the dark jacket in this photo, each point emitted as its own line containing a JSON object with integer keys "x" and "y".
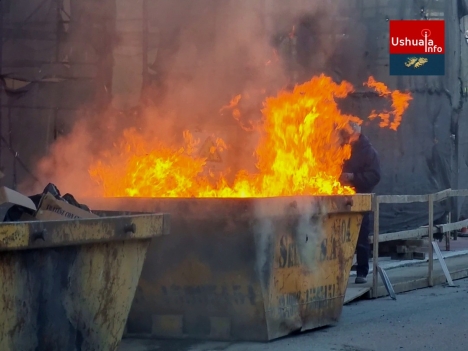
{"x": 364, "y": 164}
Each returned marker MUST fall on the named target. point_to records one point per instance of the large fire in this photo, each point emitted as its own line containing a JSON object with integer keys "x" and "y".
{"x": 299, "y": 152}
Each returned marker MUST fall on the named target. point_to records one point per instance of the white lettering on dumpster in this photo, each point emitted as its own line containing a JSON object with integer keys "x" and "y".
{"x": 288, "y": 253}
{"x": 342, "y": 228}
{"x": 317, "y": 298}
{"x": 341, "y": 234}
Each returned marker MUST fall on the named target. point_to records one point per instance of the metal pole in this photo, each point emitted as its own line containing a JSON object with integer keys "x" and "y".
{"x": 375, "y": 255}
{"x": 430, "y": 277}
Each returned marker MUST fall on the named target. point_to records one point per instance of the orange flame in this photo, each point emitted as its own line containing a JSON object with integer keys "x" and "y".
{"x": 299, "y": 152}
{"x": 400, "y": 102}
{"x": 233, "y": 106}
{"x": 248, "y": 126}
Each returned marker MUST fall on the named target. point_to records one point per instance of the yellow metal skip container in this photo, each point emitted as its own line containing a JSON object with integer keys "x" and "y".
{"x": 245, "y": 269}
{"x": 68, "y": 285}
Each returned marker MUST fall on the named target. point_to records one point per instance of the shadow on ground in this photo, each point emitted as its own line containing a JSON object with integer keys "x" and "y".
{"x": 171, "y": 345}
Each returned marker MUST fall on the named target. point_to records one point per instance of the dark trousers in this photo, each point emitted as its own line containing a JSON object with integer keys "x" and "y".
{"x": 363, "y": 247}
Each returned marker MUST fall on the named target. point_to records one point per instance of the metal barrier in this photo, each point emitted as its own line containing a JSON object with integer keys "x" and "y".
{"x": 415, "y": 233}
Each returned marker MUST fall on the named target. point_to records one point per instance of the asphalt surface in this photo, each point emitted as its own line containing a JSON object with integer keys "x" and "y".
{"x": 427, "y": 319}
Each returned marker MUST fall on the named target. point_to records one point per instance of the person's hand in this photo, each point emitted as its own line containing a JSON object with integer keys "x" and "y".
{"x": 346, "y": 178}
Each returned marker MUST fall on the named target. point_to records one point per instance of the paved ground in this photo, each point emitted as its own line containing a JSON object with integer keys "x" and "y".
{"x": 455, "y": 245}
{"x": 411, "y": 275}
{"x": 427, "y": 319}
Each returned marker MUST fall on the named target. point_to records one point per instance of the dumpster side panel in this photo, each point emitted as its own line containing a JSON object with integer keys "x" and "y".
{"x": 73, "y": 298}
{"x": 110, "y": 273}
{"x": 310, "y": 273}
{"x": 201, "y": 282}
{"x": 245, "y": 269}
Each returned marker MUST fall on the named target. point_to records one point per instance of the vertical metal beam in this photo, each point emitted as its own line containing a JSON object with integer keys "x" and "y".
{"x": 430, "y": 228}
{"x": 375, "y": 250}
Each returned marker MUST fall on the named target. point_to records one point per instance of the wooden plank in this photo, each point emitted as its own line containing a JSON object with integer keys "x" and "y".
{"x": 431, "y": 239}
{"x": 439, "y": 196}
{"x": 375, "y": 245}
{"x": 460, "y": 192}
{"x": 449, "y": 227}
{"x": 352, "y": 293}
{"x": 442, "y": 195}
{"x": 418, "y": 283}
{"x": 447, "y": 237}
{"x": 402, "y": 235}
{"x": 402, "y": 199}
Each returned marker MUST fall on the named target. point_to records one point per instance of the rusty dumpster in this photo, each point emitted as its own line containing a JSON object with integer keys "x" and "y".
{"x": 245, "y": 269}
{"x": 68, "y": 285}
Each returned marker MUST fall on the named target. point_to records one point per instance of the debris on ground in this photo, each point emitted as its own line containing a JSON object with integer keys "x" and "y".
{"x": 49, "y": 205}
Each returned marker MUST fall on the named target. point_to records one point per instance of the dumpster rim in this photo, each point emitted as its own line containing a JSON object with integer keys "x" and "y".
{"x": 71, "y": 232}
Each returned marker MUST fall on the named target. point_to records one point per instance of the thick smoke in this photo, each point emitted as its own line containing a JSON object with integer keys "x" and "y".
{"x": 201, "y": 54}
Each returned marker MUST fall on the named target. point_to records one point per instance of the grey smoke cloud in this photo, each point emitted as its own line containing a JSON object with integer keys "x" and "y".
{"x": 201, "y": 53}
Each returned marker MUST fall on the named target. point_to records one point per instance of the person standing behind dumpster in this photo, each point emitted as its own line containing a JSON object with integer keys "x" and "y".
{"x": 362, "y": 172}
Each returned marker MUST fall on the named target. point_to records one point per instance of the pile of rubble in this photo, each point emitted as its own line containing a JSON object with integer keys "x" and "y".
{"x": 49, "y": 205}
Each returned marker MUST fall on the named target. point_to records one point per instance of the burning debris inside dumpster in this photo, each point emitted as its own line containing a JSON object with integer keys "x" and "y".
{"x": 299, "y": 150}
